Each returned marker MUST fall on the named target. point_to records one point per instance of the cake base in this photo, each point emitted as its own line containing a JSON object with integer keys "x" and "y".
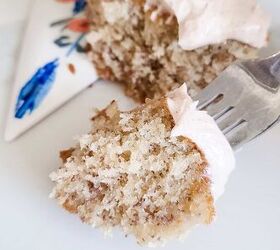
{"x": 129, "y": 172}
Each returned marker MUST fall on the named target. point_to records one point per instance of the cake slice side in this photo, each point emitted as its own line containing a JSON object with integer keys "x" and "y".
{"x": 130, "y": 172}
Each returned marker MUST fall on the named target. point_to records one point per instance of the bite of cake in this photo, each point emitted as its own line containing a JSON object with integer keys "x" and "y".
{"x": 155, "y": 171}
{"x": 150, "y": 46}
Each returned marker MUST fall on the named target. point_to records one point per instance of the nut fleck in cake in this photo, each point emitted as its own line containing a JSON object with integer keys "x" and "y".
{"x": 155, "y": 171}
{"x": 150, "y": 46}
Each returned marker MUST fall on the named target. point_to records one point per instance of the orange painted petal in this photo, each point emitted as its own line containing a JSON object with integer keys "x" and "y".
{"x": 79, "y": 25}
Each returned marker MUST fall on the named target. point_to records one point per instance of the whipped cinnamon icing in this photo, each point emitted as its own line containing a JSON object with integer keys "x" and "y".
{"x": 203, "y": 131}
{"x": 204, "y": 22}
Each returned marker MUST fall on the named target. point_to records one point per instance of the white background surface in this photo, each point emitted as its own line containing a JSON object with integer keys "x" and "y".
{"x": 248, "y": 213}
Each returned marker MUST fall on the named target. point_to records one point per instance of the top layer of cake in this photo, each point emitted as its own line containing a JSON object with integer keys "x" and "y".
{"x": 202, "y": 129}
{"x": 204, "y": 22}
{"x": 135, "y": 43}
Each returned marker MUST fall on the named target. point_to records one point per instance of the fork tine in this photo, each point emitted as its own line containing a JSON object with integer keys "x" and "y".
{"x": 222, "y": 113}
{"x": 208, "y": 94}
{"x": 234, "y": 126}
{"x": 226, "y": 104}
{"x": 220, "y": 94}
{"x": 218, "y": 110}
{"x": 232, "y": 119}
{"x": 237, "y": 138}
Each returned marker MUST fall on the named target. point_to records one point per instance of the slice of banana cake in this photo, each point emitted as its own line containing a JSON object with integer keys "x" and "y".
{"x": 155, "y": 171}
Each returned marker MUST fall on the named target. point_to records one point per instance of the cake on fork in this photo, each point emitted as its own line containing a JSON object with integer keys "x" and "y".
{"x": 151, "y": 46}
{"x": 154, "y": 171}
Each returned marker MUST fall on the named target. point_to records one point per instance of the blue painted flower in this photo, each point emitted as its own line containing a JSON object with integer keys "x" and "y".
{"x": 36, "y": 89}
{"x": 79, "y": 6}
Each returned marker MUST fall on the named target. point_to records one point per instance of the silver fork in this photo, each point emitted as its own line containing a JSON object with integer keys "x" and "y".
{"x": 245, "y": 99}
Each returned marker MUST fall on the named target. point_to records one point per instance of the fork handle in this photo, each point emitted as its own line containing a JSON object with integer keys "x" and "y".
{"x": 265, "y": 72}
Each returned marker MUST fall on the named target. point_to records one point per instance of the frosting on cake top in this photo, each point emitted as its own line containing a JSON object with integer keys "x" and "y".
{"x": 203, "y": 131}
{"x": 204, "y": 22}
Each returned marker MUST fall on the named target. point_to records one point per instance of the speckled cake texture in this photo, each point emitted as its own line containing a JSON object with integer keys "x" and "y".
{"x": 135, "y": 43}
{"x": 129, "y": 172}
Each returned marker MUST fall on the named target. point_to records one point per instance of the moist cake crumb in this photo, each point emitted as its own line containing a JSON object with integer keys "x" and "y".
{"x": 129, "y": 172}
{"x": 135, "y": 43}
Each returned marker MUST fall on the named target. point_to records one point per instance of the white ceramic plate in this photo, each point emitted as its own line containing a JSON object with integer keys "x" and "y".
{"x": 248, "y": 213}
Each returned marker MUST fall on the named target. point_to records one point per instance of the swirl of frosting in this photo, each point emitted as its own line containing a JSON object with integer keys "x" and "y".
{"x": 203, "y": 131}
{"x": 204, "y": 22}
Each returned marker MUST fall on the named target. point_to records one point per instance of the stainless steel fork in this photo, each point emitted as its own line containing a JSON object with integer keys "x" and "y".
{"x": 245, "y": 99}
